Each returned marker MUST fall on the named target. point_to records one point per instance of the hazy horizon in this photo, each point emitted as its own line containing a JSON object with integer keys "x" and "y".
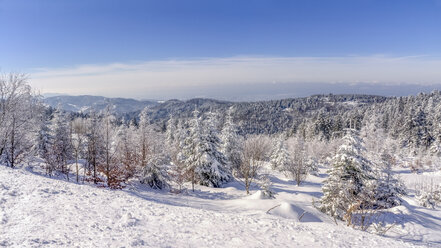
{"x": 283, "y": 91}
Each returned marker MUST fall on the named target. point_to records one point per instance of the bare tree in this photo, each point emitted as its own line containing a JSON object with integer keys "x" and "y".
{"x": 254, "y": 153}
{"x": 109, "y": 136}
{"x": 297, "y": 166}
{"x": 19, "y": 111}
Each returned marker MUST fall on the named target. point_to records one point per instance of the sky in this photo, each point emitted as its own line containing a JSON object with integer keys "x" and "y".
{"x": 256, "y": 49}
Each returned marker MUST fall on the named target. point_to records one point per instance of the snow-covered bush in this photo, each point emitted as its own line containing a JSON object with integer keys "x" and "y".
{"x": 429, "y": 196}
{"x": 388, "y": 188}
{"x": 266, "y": 187}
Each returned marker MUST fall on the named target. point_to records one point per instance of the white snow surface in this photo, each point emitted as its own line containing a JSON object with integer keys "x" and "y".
{"x": 37, "y": 211}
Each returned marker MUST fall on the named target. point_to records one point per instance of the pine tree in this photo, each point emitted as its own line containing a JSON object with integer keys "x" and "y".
{"x": 152, "y": 154}
{"x": 388, "y": 188}
{"x": 170, "y": 133}
{"x": 126, "y": 154}
{"x": 155, "y": 173}
{"x": 280, "y": 156}
{"x": 61, "y": 147}
{"x": 212, "y": 169}
{"x": 350, "y": 178}
{"x": 95, "y": 145}
{"x": 189, "y": 154}
{"x": 231, "y": 142}
{"x": 43, "y": 138}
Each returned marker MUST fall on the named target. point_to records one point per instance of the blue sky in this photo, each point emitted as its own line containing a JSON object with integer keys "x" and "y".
{"x": 86, "y": 37}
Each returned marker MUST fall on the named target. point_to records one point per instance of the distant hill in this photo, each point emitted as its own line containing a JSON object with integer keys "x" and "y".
{"x": 86, "y": 103}
{"x": 255, "y": 117}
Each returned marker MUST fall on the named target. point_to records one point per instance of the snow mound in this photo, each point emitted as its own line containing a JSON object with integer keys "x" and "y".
{"x": 128, "y": 220}
{"x": 290, "y": 211}
{"x": 259, "y": 195}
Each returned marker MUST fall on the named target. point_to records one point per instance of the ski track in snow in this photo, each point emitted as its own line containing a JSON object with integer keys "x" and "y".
{"x": 36, "y": 211}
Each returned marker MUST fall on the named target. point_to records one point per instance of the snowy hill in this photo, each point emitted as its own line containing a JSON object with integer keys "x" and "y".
{"x": 39, "y": 211}
{"x": 86, "y": 103}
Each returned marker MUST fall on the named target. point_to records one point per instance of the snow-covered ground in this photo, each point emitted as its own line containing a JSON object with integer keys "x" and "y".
{"x": 38, "y": 211}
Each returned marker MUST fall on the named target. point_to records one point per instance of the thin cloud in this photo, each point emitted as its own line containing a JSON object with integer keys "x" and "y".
{"x": 167, "y": 77}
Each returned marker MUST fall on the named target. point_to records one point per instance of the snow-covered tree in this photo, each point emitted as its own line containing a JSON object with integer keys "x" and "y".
{"x": 280, "y": 156}
{"x": 61, "y": 146}
{"x": 171, "y": 131}
{"x": 200, "y": 153}
{"x": 19, "y": 113}
{"x": 350, "y": 179}
{"x": 152, "y": 157}
{"x": 189, "y": 148}
{"x": 110, "y": 164}
{"x": 155, "y": 171}
{"x": 95, "y": 145}
{"x": 429, "y": 197}
{"x": 388, "y": 188}
{"x": 297, "y": 166}
{"x": 231, "y": 141}
{"x": 212, "y": 167}
{"x": 143, "y": 139}
{"x": 78, "y": 137}
{"x": 254, "y": 153}
{"x": 127, "y": 152}
{"x": 43, "y": 139}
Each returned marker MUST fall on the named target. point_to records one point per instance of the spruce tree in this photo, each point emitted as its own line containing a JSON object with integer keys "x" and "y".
{"x": 231, "y": 142}
{"x": 213, "y": 169}
{"x": 350, "y": 178}
{"x": 280, "y": 156}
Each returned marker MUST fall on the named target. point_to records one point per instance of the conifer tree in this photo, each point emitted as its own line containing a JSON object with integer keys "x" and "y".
{"x": 212, "y": 169}
{"x": 231, "y": 142}
{"x": 280, "y": 156}
{"x": 350, "y": 179}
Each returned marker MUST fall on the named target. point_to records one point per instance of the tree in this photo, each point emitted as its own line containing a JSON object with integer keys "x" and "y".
{"x": 61, "y": 146}
{"x": 127, "y": 152}
{"x": 154, "y": 172}
{"x": 43, "y": 141}
{"x": 231, "y": 141}
{"x": 79, "y": 129}
{"x": 212, "y": 167}
{"x": 110, "y": 163}
{"x": 280, "y": 156}
{"x": 94, "y": 145}
{"x": 19, "y": 113}
{"x": 297, "y": 166}
{"x": 189, "y": 154}
{"x": 350, "y": 179}
{"x": 388, "y": 188}
{"x": 254, "y": 152}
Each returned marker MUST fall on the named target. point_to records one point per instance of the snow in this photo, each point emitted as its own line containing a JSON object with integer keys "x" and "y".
{"x": 40, "y": 211}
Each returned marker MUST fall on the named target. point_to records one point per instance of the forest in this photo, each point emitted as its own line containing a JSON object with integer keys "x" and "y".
{"x": 358, "y": 139}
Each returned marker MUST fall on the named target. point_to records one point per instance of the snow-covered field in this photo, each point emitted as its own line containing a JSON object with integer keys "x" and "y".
{"x": 37, "y": 211}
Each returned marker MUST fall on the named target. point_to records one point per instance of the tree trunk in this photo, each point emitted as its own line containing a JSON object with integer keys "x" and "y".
{"x": 76, "y": 165}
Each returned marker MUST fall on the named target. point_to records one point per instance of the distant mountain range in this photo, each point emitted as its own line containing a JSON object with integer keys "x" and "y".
{"x": 86, "y": 103}
{"x": 253, "y": 117}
